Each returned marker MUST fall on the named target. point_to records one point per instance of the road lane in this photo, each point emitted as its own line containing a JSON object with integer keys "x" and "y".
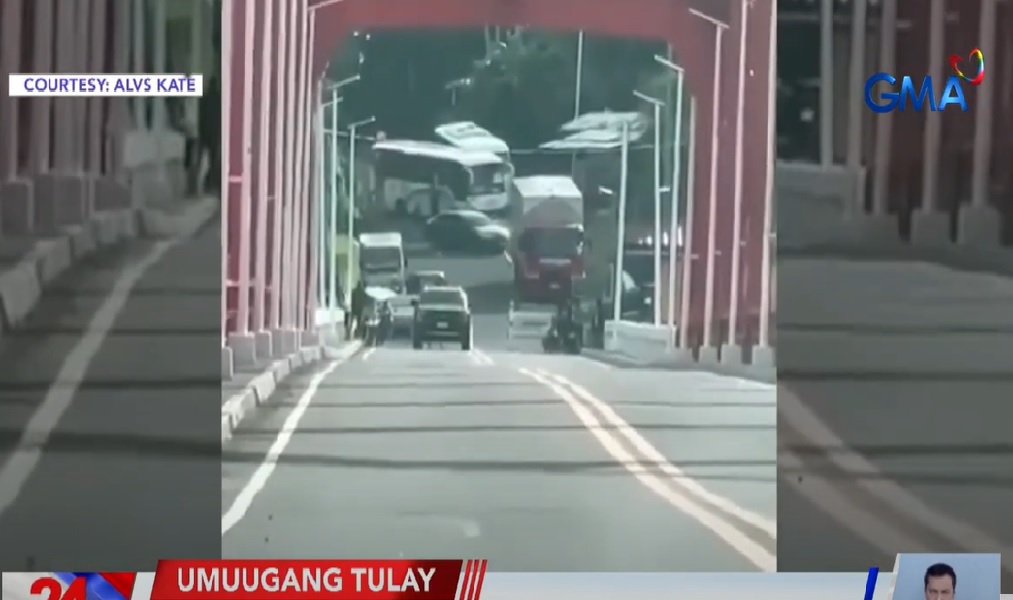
{"x": 894, "y": 388}
{"x": 721, "y": 431}
{"x": 135, "y": 451}
{"x": 488, "y": 281}
{"x": 435, "y": 453}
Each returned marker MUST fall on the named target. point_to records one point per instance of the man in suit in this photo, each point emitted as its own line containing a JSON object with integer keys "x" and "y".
{"x": 940, "y": 582}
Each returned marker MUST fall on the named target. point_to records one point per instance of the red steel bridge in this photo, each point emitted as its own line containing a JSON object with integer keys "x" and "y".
{"x": 275, "y": 54}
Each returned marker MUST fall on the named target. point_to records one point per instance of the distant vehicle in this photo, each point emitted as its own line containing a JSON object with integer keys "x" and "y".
{"x": 422, "y": 179}
{"x": 442, "y": 314}
{"x": 467, "y": 231}
{"x": 466, "y": 135}
{"x": 547, "y": 248}
{"x": 382, "y": 260}
{"x": 636, "y": 303}
{"x": 402, "y": 310}
{"x": 420, "y": 280}
{"x": 638, "y": 264}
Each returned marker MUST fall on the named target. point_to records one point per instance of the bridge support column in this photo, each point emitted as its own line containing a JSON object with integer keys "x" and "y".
{"x": 10, "y": 129}
{"x": 264, "y": 104}
{"x": 276, "y": 193}
{"x": 237, "y": 189}
{"x": 297, "y": 264}
{"x": 978, "y": 221}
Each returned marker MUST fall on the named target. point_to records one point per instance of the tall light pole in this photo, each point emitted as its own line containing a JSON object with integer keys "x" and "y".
{"x": 579, "y": 75}
{"x": 711, "y": 254}
{"x": 578, "y": 84}
{"x": 351, "y": 196}
{"x": 687, "y": 265}
{"x": 617, "y": 296}
{"x": 455, "y": 85}
{"x": 673, "y": 260}
{"x": 332, "y": 220}
{"x": 734, "y": 291}
{"x": 657, "y": 201}
{"x": 323, "y": 289}
{"x": 762, "y": 353}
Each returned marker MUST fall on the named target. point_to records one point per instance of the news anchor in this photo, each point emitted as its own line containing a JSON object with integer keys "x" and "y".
{"x": 940, "y": 582}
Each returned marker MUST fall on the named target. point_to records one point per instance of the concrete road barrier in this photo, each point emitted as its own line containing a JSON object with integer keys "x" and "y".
{"x": 643, "y": 342}
{"x": 260, "y": 390}
{"x": 20, "y": 289}
{"x": 527, "y": 324}
{"x": 22, "y": 284}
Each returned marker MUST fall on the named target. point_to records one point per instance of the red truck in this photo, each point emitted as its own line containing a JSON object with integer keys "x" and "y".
{"x": 547, "y": 245}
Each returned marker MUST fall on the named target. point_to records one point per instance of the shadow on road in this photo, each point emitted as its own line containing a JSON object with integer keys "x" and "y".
{"x": 893, "y": 380}
{"x": 101, "y": 387}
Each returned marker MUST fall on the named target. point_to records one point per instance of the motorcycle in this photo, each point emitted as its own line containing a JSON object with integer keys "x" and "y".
{"x": 569, "y": 343}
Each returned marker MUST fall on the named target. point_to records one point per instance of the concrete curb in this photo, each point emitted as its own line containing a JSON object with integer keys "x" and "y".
{"x": 259, "y": 391}
{"x": 683, "y": 363}
{"x": 160, "y": 224}
{"x": 21, "y": 286}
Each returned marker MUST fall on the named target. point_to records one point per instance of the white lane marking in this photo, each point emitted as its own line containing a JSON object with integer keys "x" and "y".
{"x": 31, "y": 445}
{"x": 877, "y": 485}
{"x": 480, "y": 358}
{"x": 718, "y": 524}
{"x": 829, "y": 500}
{"x": 678, "y": 476}
{"x": 598, "y": 363}
{"x": 259, "y": 479}
{"x": 368, "y": 353}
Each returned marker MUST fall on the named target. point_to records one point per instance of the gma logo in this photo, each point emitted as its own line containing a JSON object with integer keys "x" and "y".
{"x": 952, "y": 93}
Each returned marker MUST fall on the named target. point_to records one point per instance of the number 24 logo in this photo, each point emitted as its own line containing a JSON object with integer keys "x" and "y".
{"x": 49, "y": 588}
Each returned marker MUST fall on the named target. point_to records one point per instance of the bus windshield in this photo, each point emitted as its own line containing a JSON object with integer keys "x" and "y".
{"x": 489, "y": 179}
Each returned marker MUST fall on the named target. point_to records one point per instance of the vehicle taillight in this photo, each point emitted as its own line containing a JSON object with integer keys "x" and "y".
{"x": 529, "y": 265}
{"x": 577, "y": 267}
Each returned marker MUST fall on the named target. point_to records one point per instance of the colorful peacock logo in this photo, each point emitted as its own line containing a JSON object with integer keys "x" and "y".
{"x": 975, "y": 55}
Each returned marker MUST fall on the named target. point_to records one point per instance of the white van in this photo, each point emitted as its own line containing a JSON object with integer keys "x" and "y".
{"x": 382, "y": 260}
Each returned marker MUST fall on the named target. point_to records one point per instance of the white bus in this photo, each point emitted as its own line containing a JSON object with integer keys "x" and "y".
{"x": 408, "y": 172}
{"x": 469, "y": 136}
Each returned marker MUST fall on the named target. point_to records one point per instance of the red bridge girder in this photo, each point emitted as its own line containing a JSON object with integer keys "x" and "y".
{"x": 269, "y": 148}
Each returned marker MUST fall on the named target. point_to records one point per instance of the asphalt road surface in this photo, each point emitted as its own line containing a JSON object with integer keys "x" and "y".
{"x": 109, "y": 400}
{"x": 894, "y": 400}
{"x": 538, "y": 463}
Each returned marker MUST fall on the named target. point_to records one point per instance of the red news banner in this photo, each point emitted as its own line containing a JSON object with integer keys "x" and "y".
{"x": 318, "y": 579}
{"x": 263, "y": 580}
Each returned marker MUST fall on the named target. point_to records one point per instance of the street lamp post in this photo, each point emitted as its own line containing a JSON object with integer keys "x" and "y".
{"x": 676, "y": 173}
{"x": 578, "y": 84}
{"x": 733, "y": 350}
{"x": 711, "y": 253}
{"x": 332, "y": 209}
{"x": 657, "y": 201}
{"x": 455, "y": 85}
{"x": 322, "y": 288}
{"x": 617, "y": 295}
{"x": 334, "y": 193}
{"x": 687, "y": 256}
{"x": 351, "y": 196}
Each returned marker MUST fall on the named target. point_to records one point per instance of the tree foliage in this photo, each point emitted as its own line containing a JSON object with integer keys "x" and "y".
{"x": 521, "y": 89}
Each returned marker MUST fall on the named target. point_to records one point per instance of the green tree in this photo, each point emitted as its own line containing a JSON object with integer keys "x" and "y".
{"x": 524, "y": 89}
